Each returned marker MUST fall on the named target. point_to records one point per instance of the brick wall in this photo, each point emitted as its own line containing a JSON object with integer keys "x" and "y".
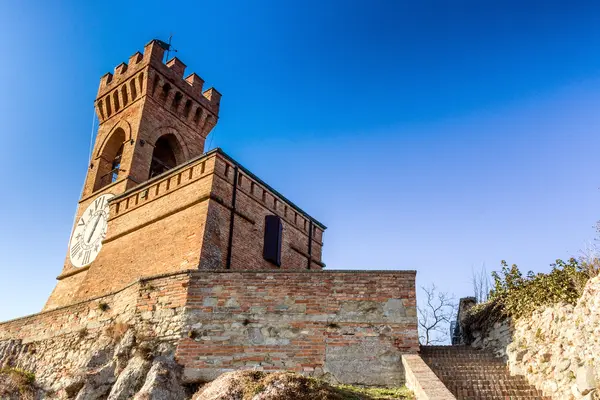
{"x": 181, "y": 220}
{"x": 184, "y": 218}
{"x": 350, "y": 325}
{"x": 129, "y": 305}
{"x": 153, "y": 229}
{"x": 60, "y": 344}
{"x": 254, "y": 201}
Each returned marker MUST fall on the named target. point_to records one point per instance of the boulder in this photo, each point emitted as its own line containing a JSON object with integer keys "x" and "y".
{"x": 130, "y": 380}
{"x": 162, "y": 381}
{"x": 97, "y": 383}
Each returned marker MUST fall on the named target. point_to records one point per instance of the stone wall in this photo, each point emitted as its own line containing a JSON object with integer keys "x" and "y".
{"x": 346, "y": 326}
{"x": 497, "y": 338}
{"x": 557, "y": 348}
{"x": 74, "y": 346}
{"x": 350, "y": 326}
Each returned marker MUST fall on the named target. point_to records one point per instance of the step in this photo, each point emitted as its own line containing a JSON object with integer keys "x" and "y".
{"x": 472, "y": 374}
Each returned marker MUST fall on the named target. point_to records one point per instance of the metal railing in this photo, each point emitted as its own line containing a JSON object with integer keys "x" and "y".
{"x": 110, "y": 177}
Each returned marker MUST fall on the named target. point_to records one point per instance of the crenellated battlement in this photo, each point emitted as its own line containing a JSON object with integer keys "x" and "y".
{"x": 146, "y": 74}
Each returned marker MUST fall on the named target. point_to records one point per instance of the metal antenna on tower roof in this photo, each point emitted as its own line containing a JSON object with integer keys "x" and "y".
{"x": 167, "y": 46}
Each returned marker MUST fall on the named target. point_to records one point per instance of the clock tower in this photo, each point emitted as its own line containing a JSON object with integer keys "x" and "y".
{"x": 153, "y": 202}
{"x": 151, "y": 119}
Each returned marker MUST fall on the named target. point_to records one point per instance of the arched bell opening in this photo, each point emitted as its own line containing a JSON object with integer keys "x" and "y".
{"x": 167, "y": 154}
{"x": 109, "y": 162}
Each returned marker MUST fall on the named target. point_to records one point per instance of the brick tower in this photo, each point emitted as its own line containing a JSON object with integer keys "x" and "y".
{"x": 153, "y": 202}
{"x": 144, "y": 108}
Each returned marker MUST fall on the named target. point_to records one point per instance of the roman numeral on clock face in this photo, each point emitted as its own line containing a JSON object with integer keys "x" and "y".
{"x": 98, "y": 203}
{"x": 86, "y": 257}
{"x": 75, "y": 249}
{"x": 86, "y": 240}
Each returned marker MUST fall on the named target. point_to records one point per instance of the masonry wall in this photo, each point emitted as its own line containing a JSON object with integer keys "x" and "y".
{"x": 147, "y": 99}
{"x": 253, "y": 203}
{"x": 349, "y": 326}
{"x": 62, "y": 344}
{"x": 181, "y": 220}
{"x": 556, "y": 348}
{"x": 156, "y": 228}
{"x": 143, "y": 100}
{"x": 153, "y": 229}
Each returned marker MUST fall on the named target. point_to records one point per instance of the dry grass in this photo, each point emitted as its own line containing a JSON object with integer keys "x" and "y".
{"x": 375, "y": 393}
{"x": 258, "y": 385}
{"x": 16, "y": 383}
{"x": 116, "y": 331}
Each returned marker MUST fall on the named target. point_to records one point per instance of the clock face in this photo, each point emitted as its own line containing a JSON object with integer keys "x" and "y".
{"x": 89, "y": 232}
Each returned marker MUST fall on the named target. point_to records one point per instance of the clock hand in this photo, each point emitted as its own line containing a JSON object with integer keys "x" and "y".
{"x": 93, "y": 229}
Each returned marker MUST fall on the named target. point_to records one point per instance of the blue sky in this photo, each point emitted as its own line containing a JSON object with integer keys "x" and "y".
{"x": 431, "y": 135}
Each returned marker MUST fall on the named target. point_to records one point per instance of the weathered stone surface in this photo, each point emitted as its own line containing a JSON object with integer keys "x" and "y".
{"x": 557, "y": 349}
{"x": 394, "y": 310}
{"x": 97, "y": 383}
{"x": 346, "y": 327}
{"x": 259, "y": 385}
{"x": 162, "y": 382}
{"x": 585, "y": 379}
{"x": 130, "y": 380}
{"x": 348, "y": 364}
{"x": 124, "y": 347}
{"x": 74, "y": 385}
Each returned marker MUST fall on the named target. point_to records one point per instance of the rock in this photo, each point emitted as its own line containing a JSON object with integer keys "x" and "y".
{"x": 520, "y": 354}
{"x": 563, "y": 365}
{"x": 259, "y": 385}
{"x": 99, "y": 357}
{"x": 97, "y": 383}
{"x": 575, "y": 391}
{"x": 590, "y": 395}
{"x": 123, "y": 349}
{"x": 585, "y": 379}
{"x": 162, "y": 382}
{"x": 130, "y": 380}
{"x": 73, "y": 386}
{"x": 227, "y": 386}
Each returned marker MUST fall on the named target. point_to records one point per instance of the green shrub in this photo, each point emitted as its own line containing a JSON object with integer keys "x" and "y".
{"x": 514, "y": 295}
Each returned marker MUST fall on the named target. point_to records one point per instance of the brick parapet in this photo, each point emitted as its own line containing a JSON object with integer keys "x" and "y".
{"x": 139, "y": 71}
{"x": 162, "y": 185}
{"x": 259, "y": 190}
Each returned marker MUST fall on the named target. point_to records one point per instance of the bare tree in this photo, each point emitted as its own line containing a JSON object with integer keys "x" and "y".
{"x": 481, "y": 284}
{"x": 435, "y": 316}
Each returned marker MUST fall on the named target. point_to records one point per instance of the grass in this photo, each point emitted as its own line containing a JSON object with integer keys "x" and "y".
{"x": 374, "y": 393}
{"x": 116, "y": 330}
{"x": 291, "y": 386}
{"x": 17, "y": 382}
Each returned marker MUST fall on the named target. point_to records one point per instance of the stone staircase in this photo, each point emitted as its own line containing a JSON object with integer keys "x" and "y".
{"x": 472, "y": 374}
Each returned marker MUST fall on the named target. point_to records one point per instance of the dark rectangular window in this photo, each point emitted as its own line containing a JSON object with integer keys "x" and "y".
{"x": 272, "y": 246}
